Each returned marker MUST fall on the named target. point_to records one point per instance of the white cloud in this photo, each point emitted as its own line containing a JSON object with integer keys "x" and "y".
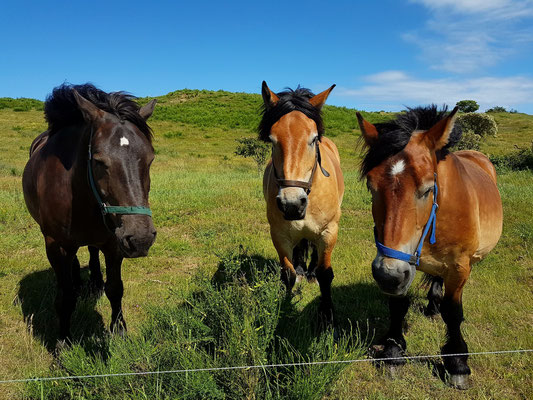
{"x": 466, "y": 36}
{"x": 395, "y": 89}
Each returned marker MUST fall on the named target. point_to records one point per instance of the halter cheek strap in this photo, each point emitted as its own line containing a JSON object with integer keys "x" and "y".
{"x": 104, "y": 208}
{"x": 302, "y": 184}
{"x": 414, "y": 259}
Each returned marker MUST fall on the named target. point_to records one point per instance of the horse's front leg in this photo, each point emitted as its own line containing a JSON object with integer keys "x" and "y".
{"x": 96, "y": 280}
{"x": 285, "y": 252}
{"x": 393, "y": 342}
{"x": 452, "y": 313}
{"x": 114, "y": 289}
{"x": 63, "y": 261}
{"x": 434, "y": 297}
{"x": 324, "y": 274}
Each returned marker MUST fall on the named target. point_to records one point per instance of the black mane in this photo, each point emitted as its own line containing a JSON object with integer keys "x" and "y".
{"x": 61, "y": 109}
{"x": 290, "y": 100}
{"x": 394, "y": 135}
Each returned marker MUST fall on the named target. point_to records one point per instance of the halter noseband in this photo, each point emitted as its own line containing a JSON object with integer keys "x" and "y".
{"x": 302, "y": 184}
{"x": 414, "y": 259}
{"x": 104, "y": 208}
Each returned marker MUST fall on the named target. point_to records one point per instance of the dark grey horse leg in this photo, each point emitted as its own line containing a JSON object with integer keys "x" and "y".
{"x": 326, "y": 311}
{"x": 62, "y": 261}
{"x": 457, "y": 367}
{"x": 434, "y": 297}
{"x": 311, "y": 271}
{"x": 114, "y": 290}
{"x": 96, "y": 281}
{"x": 394, "y": 342}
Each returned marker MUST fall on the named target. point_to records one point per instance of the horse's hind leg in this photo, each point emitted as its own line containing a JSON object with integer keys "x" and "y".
{"x": 114, "y": 290}
{"x": 311, "y": 271}
{"x": 62, "y": 261}
{"x": 434, "y": 297}
{"x": 96, "y": 281}
{"x": 299, "y": 259}
{"x": 452, "y": 313}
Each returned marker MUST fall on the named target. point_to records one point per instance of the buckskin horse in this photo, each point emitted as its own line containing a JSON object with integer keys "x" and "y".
{"x": 418, "y": 187}
{"x": 303, "y": 187}
{"x": 87, "y": 183}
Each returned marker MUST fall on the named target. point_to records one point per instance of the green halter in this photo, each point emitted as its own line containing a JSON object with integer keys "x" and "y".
{"x": 105, "y": 209}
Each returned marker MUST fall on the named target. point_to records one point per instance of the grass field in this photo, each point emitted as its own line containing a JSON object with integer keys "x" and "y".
{"x": 209, "y": 211}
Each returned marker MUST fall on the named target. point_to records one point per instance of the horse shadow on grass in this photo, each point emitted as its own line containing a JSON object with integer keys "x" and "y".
{"x": 36, "y": 296}
{"x": 361, "y": 309}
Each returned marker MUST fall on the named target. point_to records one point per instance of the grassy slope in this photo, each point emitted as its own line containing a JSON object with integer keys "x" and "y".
{"x": 206, "y": 201}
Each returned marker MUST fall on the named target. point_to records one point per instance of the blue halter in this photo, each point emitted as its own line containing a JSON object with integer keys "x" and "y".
{"x": 414, "y": 259}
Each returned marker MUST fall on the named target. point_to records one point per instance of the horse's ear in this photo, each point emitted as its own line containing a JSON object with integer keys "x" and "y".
{"x": 319, "y": 100}
{"x": 437, "y": 136}
{"x": 368, "y": 130}
{"x": 147, "y": 110}
{"x": 269, "y": 97}
{"x": 89, "y": 111}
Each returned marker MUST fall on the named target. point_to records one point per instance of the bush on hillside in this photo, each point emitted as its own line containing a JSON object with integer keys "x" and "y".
{"x": 469, "y": 141}
{"x": 497, "y": 109}
{"x": 519, "y": 159}
{"x": 479, "y": 123}
{"x": 255, "y": 149}
{"x": 20, "y": 104}
{"x": 467, "y": 106}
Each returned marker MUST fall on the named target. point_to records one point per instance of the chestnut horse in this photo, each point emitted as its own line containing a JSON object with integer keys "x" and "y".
{"x": 87, "y": 183}
{"x": 303, "y": 187}
{"x": 418, "y": 188}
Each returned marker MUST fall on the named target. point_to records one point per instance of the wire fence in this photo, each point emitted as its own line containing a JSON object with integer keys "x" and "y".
{"x": 263, "y": 366}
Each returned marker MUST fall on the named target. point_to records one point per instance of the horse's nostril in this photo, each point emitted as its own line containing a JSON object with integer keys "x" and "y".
{"x": 304, "y": 201}
{"x": 129, "y": 242}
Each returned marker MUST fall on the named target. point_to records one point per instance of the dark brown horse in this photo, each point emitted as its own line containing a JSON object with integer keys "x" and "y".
{"x": 87, "y": 183}
{"x": 435, "y": 211}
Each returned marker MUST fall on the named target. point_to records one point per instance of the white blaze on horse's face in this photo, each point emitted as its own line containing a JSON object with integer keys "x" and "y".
{"x": 124, "y": 141}
{"x": 397, "y": 168}
{"x": 293, "y": 139}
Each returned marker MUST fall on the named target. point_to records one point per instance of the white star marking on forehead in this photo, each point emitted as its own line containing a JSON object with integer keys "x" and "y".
{"x": 124, "y": 141}
{"x": 397, "y": 168}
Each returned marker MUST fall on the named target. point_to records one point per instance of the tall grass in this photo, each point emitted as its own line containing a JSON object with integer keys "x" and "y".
{"x": 231, "y": 319}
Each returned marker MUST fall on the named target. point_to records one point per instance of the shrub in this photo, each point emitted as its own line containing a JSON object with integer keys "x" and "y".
{"x": 467, "y": 106}
{"x": 496, "y": 109}
{"x": 519, "y": 159}
{"x": 469, "y": 141}
{"x": 254, "y": 148}
{"x": 480, "y": 124}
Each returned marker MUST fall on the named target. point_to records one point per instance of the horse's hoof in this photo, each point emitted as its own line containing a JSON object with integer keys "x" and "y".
{"x": 311, "y": 278}
{"x": 460, "y": 382}
{"x": 298, "y": 278}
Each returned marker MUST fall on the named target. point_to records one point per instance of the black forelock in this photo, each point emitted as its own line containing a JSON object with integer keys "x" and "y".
{"x": 290, "y": 100}
{"x": 61, "y": 109}
{"x": 394, "y": 135}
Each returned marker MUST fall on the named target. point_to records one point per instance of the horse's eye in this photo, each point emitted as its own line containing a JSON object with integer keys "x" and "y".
{"x": 427, "y": 192}
{"x": 315, "y": 139}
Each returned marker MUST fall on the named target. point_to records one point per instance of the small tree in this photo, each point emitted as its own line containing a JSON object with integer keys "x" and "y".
{"x": 256, "y": 149}
{"x": 467, "y": 106}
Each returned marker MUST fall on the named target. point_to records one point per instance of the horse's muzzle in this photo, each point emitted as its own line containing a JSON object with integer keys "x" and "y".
{"x": 135, "y": 237}
{"x": 393, "y": 277}
{"x": 293, "y": 209}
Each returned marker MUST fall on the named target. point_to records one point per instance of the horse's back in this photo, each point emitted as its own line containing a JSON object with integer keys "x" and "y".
{"x": 480, "y": 159}
{"x": 480, "y": 177}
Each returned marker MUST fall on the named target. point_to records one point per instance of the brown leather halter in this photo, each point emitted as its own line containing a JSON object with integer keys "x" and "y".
{"x": 302, "y": 184}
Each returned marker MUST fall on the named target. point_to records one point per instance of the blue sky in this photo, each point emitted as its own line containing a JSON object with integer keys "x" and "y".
{"x": 381, "y": 54}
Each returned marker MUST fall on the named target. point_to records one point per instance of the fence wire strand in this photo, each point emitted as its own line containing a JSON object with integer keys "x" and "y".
{"x": 296, "y": 364}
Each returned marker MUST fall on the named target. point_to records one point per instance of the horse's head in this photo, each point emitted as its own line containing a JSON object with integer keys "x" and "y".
{"x": 121, "y": 155}
{"x": 293, "y": 124}
{"x": 400, "y": 167}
